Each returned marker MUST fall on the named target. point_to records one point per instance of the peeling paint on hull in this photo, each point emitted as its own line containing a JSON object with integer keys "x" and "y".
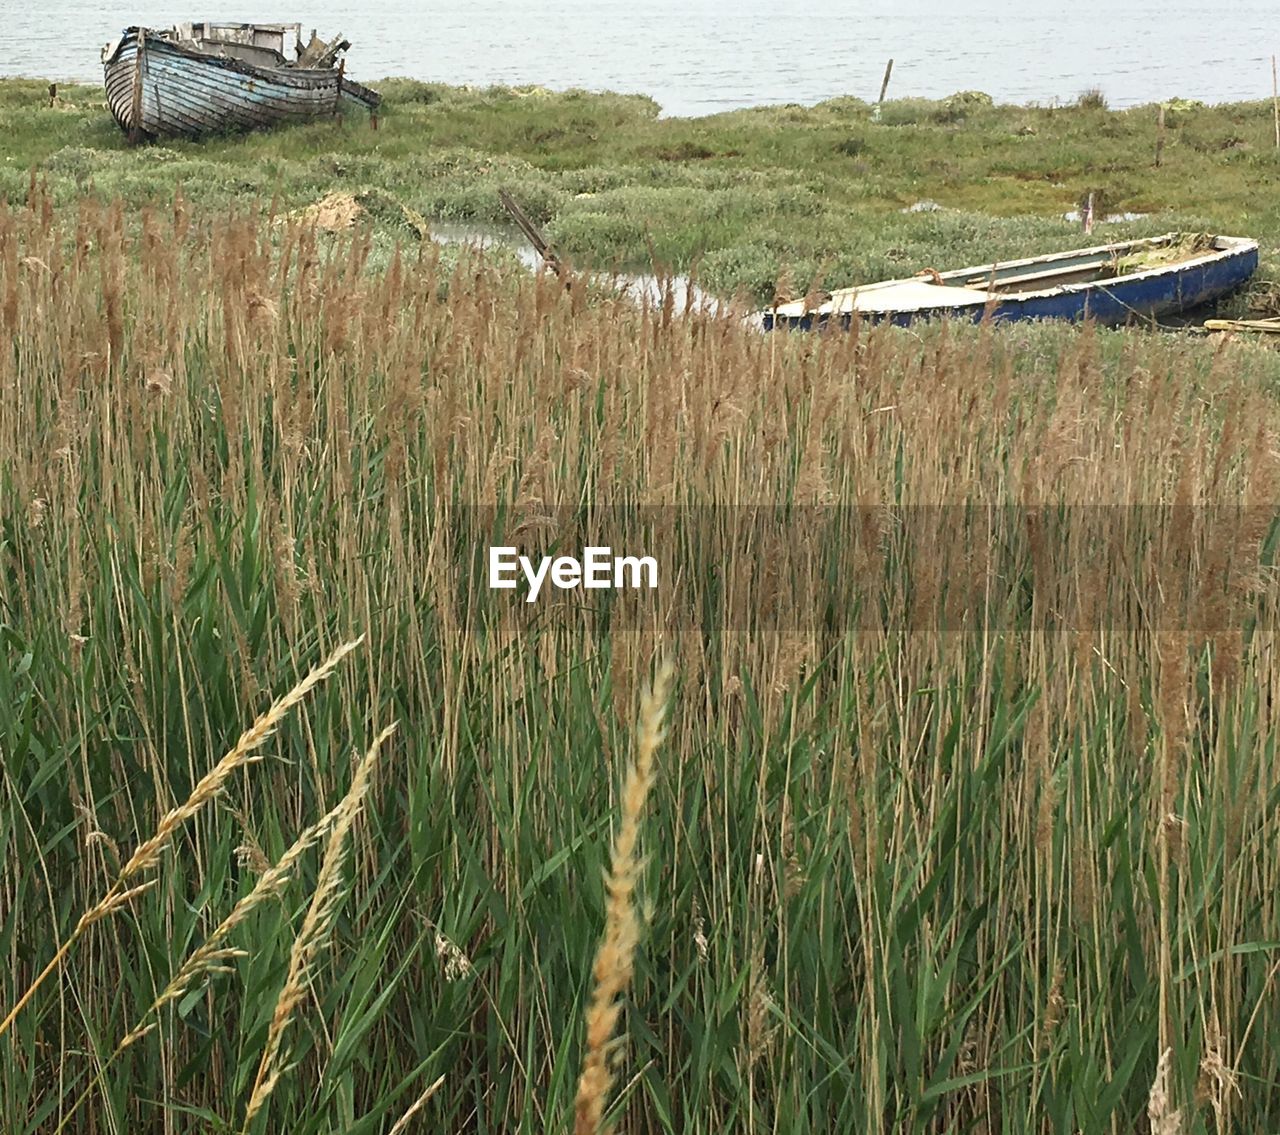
{"x": 186, "y": 92}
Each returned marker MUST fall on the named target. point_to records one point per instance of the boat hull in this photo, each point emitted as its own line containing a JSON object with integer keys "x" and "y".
{"x": 1143, "y": 295}
{"x": 157, "y": 88}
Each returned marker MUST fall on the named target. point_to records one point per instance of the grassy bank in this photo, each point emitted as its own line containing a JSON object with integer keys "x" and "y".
{"x": 750, "y": 197}
{"x": 967, "y": 845}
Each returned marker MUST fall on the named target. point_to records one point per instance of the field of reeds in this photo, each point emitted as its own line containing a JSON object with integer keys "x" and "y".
{"x": 966, "y": 818}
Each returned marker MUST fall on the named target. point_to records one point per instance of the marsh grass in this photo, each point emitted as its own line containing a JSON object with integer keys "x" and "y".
{"x": 747, "y": 194}
{"x": 146, "y": 857}
{"x": 917, "y": 863}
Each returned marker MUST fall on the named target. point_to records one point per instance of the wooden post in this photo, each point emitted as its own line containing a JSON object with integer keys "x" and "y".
{"x": 135, "y": 111}
{"x": 1160, "y": 136}
{"x": 1275, "y": 100}
{"x": 540, "y": 243}
{"x": 884, "y": 86}
{"x": 337, "y": 106}
{"x": 53, "y": 94}
{"x": 1087, "y": 216}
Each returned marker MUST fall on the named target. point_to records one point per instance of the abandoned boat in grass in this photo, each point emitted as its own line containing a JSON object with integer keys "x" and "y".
{"x": 1112, "y": 284}
{"x": 206, "y": 78}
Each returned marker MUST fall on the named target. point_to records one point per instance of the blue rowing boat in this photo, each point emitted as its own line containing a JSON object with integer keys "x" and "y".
{"x": 1111, "y": 284}
{"x": 198, "y": 79}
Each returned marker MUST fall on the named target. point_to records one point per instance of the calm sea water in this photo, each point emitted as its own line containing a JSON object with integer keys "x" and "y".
{"x": 701, "y": 56}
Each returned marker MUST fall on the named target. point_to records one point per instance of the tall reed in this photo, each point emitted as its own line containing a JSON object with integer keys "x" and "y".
{"x": 615, "y": 960}
{"x": 315, "y": 928}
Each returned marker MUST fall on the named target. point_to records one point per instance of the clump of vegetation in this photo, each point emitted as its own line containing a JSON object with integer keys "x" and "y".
{"x": 963, "y": 105}
{"x": 1092, "y": 99}
{"x": 1183, "y": 247}
{"x": 977, "y": 824}
{"x": 410, "y": 91}
{"x": 1183, "y": 105}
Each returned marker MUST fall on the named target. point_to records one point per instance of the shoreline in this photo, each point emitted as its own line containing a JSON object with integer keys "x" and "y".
{"x": 911, "y": 79}
{"x": 555, "y": 88}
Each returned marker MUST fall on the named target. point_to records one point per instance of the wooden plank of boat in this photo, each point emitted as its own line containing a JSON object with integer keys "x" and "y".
{"x": 358, "y": 94}
{"x": 158, "y": 85}
{"x": 1110, "y": 283}
{"x": 1261, "y": 326}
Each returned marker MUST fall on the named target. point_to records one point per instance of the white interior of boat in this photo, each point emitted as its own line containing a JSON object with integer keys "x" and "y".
{"x": 263, "y": 45}
{"x": 267, "y": 45}
{"x": 1038, "y": 275}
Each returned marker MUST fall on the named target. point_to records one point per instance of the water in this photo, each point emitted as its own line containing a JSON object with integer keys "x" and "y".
{"x": 702, "y": 56}
{"x": 641, "y": 287}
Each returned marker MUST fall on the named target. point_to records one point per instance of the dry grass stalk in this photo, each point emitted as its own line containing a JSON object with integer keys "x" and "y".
{"x": 456, "y": 963}
{"x": 210, "y": 785}
{"x": 244, "y": 752}
{"x": 616, "y": 956}
{"x": 1054, "y": 1010}
{"x": 211, "y": 956}
{"x": 1165, "y": 1119}
{"x": 757, "y": 1029}
{"x": 1217, "y": 1081}
{"x": 402, "y": 1124}
{"x": 315, "y": 928}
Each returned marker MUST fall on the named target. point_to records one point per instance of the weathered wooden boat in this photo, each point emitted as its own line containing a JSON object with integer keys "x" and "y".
{"x": 1112, "y": 284}
{"x": 196, "y": 79}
